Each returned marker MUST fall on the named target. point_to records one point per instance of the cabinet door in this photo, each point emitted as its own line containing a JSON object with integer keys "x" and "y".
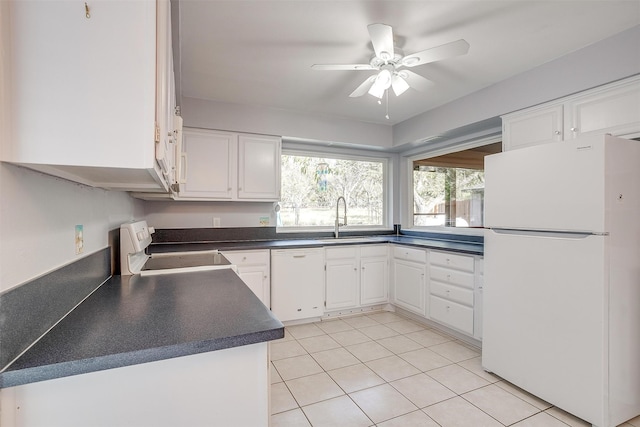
{"x": 82, "y": 95}
{"x": 409, "y": 285}
{"x": 614, "y": 110}
{"x": 374, "y": 280}
{"x": 165, "y": 98}
{"x": 256, "y": 278}
{"x": 341, "y": 284}
{"x": 259, "y": 167}
{"x": 207, "y": 164}
{"x": 253, "y": 269}
{"x": 532, "y": 127}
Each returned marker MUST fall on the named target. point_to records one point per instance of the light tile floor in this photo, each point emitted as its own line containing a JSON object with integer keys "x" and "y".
{"x": 383, "y": 370}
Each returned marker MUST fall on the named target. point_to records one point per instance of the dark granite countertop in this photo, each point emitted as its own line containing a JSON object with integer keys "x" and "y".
{"x": 133, "y": 319}
{"x": 468, "y": 247}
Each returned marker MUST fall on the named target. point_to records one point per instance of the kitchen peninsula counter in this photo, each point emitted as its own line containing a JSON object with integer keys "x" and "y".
{"x": 132, "y": 320}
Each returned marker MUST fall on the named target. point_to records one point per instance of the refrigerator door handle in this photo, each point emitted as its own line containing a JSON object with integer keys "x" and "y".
{"x": 548, "y": 233}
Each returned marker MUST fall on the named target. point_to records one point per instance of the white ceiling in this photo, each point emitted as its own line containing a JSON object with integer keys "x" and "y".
{"x": 260, "y": 52}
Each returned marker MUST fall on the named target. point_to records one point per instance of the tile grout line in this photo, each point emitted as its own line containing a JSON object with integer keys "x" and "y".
{"x": 386, "y": 382}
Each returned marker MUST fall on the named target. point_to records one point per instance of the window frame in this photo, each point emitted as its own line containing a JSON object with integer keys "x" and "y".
{"x": 426, "y": 154}
{"x": 346, "y": 154}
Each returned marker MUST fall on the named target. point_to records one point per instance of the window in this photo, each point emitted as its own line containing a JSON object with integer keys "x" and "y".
{"x": 312, "y": 184}
{"x": 448, "y": 190}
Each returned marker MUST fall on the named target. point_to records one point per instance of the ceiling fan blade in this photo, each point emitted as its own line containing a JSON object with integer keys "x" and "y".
{"x": 448, "y": 50}
{"x": 382, "y": 40}
{"x": 364, "y": 87}
{"x": 399, "y": 85}
{"x": 340, "y": 67}
{"x": 416, "y": 81}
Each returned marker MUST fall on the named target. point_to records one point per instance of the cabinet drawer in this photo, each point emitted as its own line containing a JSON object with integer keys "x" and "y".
{"x": 452, "y": 314}
{"x": 373, "y": 250}
{"x": 448, "y": 275}
{"x": 452, "y": 293}
{"x": 342, "y": 252}
{"x": 241, "y": 258}
{"x": 447, "y": 259}
{"x": 402, "y": 252}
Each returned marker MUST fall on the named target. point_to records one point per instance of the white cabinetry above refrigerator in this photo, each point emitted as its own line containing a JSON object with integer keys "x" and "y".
{"x": 613, "y": 108}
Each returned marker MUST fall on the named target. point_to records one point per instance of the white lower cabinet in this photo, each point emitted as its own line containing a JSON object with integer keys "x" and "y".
{"x": 356, "y": 276}
{"x": 342, "y": 278}
{"x": 451, "y": 287}
{"x": 409, "y": 281}
{"x": 253, "y": 269}
{"x": 374, "y": 274}
{"x": 442, "y": 286}
{"x": 297, "y": 283}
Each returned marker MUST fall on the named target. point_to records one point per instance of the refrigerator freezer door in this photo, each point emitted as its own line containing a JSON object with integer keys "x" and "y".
{"x": 556, "y": 186}
{"x": 545, "y": 317}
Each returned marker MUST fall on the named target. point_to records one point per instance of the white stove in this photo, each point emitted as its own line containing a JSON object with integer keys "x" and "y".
{"x": 135, "y": 237}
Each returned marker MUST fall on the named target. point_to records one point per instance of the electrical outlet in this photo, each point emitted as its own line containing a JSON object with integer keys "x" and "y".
{"x": 79, "y": 239}
{"x": 216, "y": 222}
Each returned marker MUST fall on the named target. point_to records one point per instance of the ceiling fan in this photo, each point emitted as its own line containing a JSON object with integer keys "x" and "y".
{"x": 390, "y": 61}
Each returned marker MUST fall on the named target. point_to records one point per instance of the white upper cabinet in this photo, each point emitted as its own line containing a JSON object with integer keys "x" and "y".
{"x": 532, "y": 127}
{"x": 206, "y": 164}
{"x": 220, "y": 165}
{"x": 86, "y": 99}
{"x": 258, "y": 167}
{"x": 613, "y": 108}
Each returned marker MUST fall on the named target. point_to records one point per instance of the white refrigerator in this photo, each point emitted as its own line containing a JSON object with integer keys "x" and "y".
{"x": 562, "y": 274}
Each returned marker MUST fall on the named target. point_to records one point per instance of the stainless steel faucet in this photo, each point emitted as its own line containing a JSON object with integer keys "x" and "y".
{"x": 337, "y": 215}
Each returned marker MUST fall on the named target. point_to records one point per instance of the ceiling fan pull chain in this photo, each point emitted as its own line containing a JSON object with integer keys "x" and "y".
{"x": 387, "y": 106}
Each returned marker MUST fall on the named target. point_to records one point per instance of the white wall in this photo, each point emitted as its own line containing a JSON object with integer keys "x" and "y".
{"x": 608, "y": 60}
{"x": 161, "y": 214}
{"x": 269, "y": 121}
{"x": 38, "y": 215}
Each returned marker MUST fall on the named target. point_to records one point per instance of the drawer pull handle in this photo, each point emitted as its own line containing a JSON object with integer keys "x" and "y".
{"x": 299, "y": 256}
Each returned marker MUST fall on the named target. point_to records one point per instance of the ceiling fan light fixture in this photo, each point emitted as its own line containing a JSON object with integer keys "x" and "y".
{"x": 399, "y": 85}
{"x": 384, "y": 78}
{"x": 376, "y": 90}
